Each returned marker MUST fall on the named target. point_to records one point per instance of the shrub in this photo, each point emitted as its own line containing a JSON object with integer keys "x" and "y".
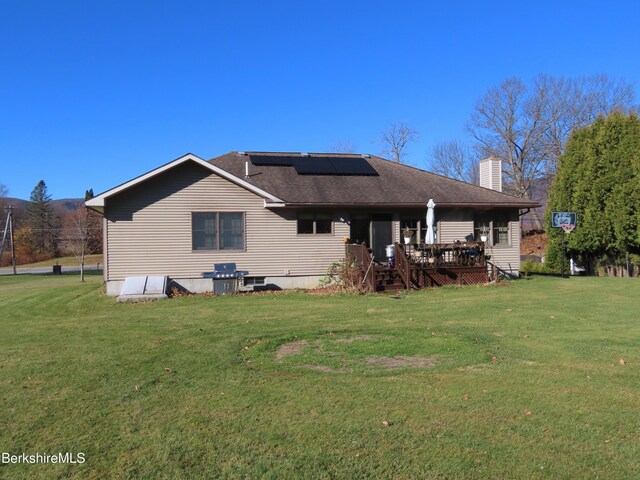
{"x": 531, "y": 266}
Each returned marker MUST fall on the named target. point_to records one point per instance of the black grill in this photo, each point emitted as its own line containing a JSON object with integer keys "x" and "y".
{"x": 225, "y": 270}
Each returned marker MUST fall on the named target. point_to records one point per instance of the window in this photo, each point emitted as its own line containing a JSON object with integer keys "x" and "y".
{"x": 482, "y": 226}
{"x": 305, "y": 223}
{"x": 495, "y": 226}
{"x": 231, "y": 231}
{"x": 501, "y": 231}
{"x": 204, "y": 231}
{"x": 217, "y": 231}
{"x": 253, "y": 281}
{"x": 413, "y": 225}
{"x": 314, "y": 223}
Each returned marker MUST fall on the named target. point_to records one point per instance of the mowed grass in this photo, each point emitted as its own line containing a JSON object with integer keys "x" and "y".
{"x": 523, "y": 380}
{"x": 89, "y": 260}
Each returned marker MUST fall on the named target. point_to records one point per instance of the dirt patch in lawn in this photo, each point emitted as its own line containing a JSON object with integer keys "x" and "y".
{"x": 291, "y": 348}
{"x": 358, "y": 338}
{"x": 401, "y": 362}
{"x": 326, "y": 369}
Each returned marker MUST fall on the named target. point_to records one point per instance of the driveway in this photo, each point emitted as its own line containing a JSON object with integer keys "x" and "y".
{"x": 41, "y": 270}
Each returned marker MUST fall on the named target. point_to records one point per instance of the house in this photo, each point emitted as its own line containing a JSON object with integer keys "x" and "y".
{"x": 284, "y": 217}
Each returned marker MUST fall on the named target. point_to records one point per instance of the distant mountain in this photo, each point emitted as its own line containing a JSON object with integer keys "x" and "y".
{"x": 60, "y": 207}
{"x": 66, "y": 205}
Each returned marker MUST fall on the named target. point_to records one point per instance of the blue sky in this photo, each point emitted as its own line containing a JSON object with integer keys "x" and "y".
{"x": 95, "y": 93}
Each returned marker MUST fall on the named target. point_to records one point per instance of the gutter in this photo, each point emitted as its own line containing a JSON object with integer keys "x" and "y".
{"x": 527, "y": 205}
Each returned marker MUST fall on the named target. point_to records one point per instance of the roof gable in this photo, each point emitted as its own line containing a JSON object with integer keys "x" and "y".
{"x": 97, "y": 202}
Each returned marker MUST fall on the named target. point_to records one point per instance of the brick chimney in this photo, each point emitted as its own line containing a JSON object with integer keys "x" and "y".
{"x": 491, "y": 173}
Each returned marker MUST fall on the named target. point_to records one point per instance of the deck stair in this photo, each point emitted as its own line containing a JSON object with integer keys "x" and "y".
{"x": 388, "y": 280}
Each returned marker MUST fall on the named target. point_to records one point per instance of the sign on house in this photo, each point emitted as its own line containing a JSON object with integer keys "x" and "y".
{"x": 558, "y": 219}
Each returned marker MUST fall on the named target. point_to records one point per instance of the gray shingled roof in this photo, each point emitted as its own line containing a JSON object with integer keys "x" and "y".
{"x": 395, "y": 185}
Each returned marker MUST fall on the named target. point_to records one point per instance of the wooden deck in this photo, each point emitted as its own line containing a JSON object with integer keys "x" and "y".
{"x": 421, "y": 266}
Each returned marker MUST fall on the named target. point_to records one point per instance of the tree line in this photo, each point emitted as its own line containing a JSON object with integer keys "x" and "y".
{"x": 42, "y": 234}
{"x": 598, "y": 177}
{"x": 527, "y": 125}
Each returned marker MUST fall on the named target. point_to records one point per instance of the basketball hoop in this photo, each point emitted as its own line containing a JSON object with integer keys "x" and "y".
{"x": 568, "y": 228}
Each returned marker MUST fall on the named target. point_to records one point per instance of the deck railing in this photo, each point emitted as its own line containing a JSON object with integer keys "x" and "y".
{"x": 443, "y": 255}
{"x": 421, "y": 265}
{"x": 361, "y": 256}
{"x": 403, "y": 265}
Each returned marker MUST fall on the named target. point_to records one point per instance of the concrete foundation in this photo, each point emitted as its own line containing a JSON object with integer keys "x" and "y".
{"x": 203, "y": 285}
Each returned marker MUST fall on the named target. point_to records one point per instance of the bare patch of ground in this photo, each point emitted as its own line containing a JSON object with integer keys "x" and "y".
{"x": 357, "y": 338}
{"x": 326, "y": 369}
{"x": 386, "y": 363}
{"x": 401, "y": 362}
{"x": 292, "y": 348}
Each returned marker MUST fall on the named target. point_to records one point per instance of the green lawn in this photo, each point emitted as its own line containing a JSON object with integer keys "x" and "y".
{"x": 522, "y": 380}
{"x": 89, "y": 260}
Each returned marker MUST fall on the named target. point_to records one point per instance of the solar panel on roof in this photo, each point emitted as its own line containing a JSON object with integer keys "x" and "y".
{"x": 333, "y": 166}
{"x": 314, "y": 166}
{"x": 272, "y": 160}
{"x": 311, "y": 165}
{"x": 353, "y": 166}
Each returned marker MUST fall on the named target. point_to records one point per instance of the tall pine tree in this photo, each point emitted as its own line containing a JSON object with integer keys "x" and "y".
{"x": 43, "y": 224}
{"x": 598, "y": 177}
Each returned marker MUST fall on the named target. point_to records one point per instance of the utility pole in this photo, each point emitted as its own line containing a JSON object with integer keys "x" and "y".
{"x": 13, "y": 245}
{"x": 8, "y": 228}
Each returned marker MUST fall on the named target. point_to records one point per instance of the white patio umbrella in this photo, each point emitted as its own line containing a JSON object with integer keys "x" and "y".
{"x": 431, "y": 234}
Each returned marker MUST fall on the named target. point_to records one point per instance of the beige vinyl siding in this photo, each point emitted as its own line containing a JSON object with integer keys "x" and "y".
{"x": 105, "y": 249}
{"x": 395, "y": 229}
{"x": 149, "y": 230}
{"x": 496, "y": 180}
{"x": 508, "y": 257}
{"x": 454, "y": 225}
{"x": 491, "y": 174}
{"x": 485, "y": 177}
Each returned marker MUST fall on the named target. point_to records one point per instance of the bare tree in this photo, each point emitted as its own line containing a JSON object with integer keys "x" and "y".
{"x": 570, "y": 103}
{"x": 395, "y": 139}
{"x": 4, "y": 191}
{"x": 77, "y": 231}
{"x": 343, "y": 146}
{"x": 528, "y": 126}
{"x": 455, "y": 160}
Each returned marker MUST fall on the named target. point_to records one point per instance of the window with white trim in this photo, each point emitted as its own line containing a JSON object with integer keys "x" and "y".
{"x": 217, "y": 231}
{"x": 314, "y": 223}
{"x": 494, "y": 225}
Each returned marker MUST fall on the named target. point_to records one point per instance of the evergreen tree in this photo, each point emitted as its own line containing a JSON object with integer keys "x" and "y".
{"x": 94, "y": 227}
{"x": 42, "y": 222}
{"x": 598, "y": 177}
